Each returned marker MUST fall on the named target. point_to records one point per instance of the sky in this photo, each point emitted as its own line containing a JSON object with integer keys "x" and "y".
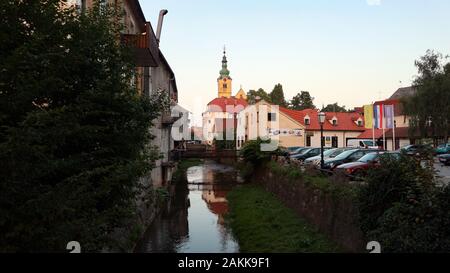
{"x": 352, "y": 52}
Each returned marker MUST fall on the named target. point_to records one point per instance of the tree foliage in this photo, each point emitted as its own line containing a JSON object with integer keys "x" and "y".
{"x": 252, "y": 96}
{"x": 429, "y": 107}
{"x": 277, "y": 96}
{"x": 334, "y": 107}
{"x": 74, "y": 134}
{"x": 301, "y": 101}
{"x": 403, "y": 208}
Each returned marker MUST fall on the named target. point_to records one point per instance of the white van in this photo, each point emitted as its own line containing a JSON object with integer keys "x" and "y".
{"x": 361, "y": 143}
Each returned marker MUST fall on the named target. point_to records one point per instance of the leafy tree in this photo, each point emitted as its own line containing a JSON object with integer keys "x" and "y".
{"x": 429, "y": 107}
{"x": 402, "y": 208}
{"x": 252, "y": 95}
{"x": 334, "y": 108}
{"x": 277, "y": 96}
{"x": 301, "y": 101}
{"x": 74, "y": 135}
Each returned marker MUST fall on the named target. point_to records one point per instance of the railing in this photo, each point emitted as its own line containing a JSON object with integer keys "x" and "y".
{"x": 135, "y": 40}
{"x": 168, "y": 119}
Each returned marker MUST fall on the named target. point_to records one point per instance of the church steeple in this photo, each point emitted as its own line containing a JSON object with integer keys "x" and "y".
{"x": 224, "y": 72}
{"x": 224, "y": 80}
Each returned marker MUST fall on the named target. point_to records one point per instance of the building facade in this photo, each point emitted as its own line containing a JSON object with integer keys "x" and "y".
{"x": 220, "y": 118}
{"x": 153, "y": 74}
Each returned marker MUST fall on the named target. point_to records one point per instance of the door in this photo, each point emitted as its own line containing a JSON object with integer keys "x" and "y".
{"x": 334, "y": 142}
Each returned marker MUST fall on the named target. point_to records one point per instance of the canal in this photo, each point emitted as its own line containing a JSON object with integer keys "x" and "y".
{"x": 193, "y": 219}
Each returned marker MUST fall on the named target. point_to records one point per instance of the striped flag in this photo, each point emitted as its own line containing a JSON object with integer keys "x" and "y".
{"x": 378, "y": 116}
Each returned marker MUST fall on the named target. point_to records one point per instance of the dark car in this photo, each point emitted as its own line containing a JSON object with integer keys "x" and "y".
{"x": 444, "y": 159}
{"x": 360, "y": 167}
{"x": 346, "y": 157}
{"x": 297, "y": 150}
{"x": 419, "y": 150}
{"x": 305, "y": 154}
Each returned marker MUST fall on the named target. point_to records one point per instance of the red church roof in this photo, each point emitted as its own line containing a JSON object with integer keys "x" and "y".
{"x": 231, "y": 105}
{"x": 345, "y": 121}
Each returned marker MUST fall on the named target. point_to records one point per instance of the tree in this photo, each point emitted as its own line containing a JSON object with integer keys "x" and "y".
{"x": 301, "y": 101}
{"x": 252, "y": 95}
{"x": 334, "y": 108}
{"x": 74, "y": 135}
{"x": 277, "y": 96}
{"x": 429, "y": 107}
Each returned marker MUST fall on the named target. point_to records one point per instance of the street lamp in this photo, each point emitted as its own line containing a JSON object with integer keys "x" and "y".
{"x": 321, "y": 121}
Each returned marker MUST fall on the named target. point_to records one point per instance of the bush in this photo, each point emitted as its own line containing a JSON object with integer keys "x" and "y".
{"x": 403, "y": 209}
{"x": 251, "y": 152}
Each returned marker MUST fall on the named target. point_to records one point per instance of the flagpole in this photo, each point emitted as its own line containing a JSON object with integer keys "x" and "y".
{"x": 373, "y": 127}
{"x": 383, "y": 121}
{"x": 394, "y": 146}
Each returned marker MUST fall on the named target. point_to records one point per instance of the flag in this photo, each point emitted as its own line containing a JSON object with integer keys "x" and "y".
{"x": 368, "y": 116}
{"x": 378, "y": 116}
{"x": 389, "y": 116}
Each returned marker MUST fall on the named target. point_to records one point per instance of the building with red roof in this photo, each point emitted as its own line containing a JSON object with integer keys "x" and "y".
{"x": 219, "y": 119}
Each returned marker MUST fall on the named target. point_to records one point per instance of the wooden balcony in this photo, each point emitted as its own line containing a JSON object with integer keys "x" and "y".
{"x": 144, "y": 47}
{"x": 135, "y": 40}
{"x": 167, "y": 119}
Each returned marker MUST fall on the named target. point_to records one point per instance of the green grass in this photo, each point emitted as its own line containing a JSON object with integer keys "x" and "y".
{"x": 262, "y": 224}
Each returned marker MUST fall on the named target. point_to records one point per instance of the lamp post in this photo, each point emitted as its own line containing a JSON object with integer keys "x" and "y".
{"x": 321, "y": 121}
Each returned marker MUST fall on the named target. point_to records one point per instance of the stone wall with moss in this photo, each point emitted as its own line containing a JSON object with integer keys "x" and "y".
{"x": 326, "y": 202}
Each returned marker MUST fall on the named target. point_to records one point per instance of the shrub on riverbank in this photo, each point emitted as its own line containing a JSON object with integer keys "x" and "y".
{"x": 403, "y": 209}
{"x": 261, "y": 223}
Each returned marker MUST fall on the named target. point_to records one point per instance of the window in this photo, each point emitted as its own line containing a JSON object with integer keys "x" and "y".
{"x": 307, "y": 121}
{"x": 360, "y": 123}
{"x": 225, "y": 86}
{"x": 334, "y": 122}
{"x": 271, "y": 116}
{"x": 308, "y": 141}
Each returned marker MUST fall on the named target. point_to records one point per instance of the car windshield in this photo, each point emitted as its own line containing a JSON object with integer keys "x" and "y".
{"x": 368, "y": 157}
{"x": 368, "y": 142}
{"x": 345, "y": 154}
{"x": 305, "y": 151}
{"x": 336, "y": 152}
{"x": 329, "y": 152}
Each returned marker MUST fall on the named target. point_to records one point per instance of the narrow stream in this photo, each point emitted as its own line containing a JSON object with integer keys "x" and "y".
{"x": 193, "y": 220}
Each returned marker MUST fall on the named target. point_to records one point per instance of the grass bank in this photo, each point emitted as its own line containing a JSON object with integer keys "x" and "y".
{"x": 262, "y": 224}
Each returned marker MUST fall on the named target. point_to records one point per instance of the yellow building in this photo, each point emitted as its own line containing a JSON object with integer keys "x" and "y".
{"x": 265, "y": 120}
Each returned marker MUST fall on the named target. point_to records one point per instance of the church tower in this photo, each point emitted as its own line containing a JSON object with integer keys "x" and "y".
{"x": 224, "y": 80}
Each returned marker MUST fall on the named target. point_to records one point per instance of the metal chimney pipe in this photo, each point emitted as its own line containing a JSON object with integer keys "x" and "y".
{"x": 160, "y": 22}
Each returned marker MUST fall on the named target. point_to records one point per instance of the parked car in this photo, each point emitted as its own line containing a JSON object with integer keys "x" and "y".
{"x": 298, "y": 150}
{"x": 346, "y": 157}
{"x": 443, "y": 149}
{"x": 305, "y": 154}
{"x": 445, "y": 159}
{"x": 361, "y": 143}
{"x": 331, "y": 153}
{"x": 416, "y": 149}
{"x": 291, "y": 149}
{"x": 360, "y": 167}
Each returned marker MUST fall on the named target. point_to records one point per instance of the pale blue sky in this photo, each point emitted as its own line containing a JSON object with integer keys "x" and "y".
{"x": 345, "y": 51}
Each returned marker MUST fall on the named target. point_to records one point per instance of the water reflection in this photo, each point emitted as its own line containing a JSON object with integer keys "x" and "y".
{"x": 193, "y": 220}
